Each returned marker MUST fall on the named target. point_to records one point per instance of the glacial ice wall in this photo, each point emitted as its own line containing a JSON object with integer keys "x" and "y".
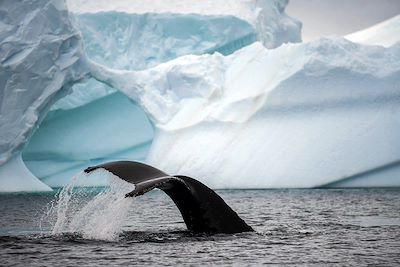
{"x": 41, "y": 57}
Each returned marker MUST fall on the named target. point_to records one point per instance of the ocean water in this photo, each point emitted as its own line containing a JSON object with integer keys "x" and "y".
{"x": 310, "y": 227}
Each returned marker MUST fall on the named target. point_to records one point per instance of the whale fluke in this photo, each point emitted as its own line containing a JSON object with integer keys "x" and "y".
{"x": 202, "y": 209}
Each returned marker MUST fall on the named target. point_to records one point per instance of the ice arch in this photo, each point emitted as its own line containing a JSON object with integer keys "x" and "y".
{"x": 108, "y": 128}
{"x": 73, "y": 135}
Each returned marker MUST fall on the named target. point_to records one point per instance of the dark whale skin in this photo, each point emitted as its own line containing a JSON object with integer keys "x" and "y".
{"x": 203, "y": 210}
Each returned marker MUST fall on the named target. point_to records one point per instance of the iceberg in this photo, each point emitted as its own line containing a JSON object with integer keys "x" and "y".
{"x": 245, "y": 108}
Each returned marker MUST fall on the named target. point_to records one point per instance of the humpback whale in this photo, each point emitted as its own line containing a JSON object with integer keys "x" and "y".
{"x": 203, "y": 210}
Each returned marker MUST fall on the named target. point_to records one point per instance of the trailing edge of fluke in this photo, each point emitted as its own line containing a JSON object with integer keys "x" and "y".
{"x": 202, "y": 209}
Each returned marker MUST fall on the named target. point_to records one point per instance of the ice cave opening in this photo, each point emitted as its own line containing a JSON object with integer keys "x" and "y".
{"x": 75, "y": 134}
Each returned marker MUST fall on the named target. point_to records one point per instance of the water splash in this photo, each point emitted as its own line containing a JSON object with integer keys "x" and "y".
{"x": 93, "y": 213}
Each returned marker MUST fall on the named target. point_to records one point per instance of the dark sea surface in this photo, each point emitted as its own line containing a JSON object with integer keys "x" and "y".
{"x": 317, "y": 227}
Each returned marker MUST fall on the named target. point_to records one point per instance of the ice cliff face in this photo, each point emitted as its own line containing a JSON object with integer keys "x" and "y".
{"x": 36, "y": 62}
{"x": 41, "y": 57}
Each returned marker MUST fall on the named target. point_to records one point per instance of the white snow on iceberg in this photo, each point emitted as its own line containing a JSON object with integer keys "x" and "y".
{"x": 386, "y": 33}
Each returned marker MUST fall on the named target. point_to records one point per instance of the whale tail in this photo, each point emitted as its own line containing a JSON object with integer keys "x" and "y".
{"x": 202, "y": 209}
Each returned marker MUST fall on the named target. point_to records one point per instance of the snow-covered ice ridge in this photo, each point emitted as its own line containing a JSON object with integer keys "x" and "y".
{"x": 300, "y": 115}
{"x": 385, "y": 33}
